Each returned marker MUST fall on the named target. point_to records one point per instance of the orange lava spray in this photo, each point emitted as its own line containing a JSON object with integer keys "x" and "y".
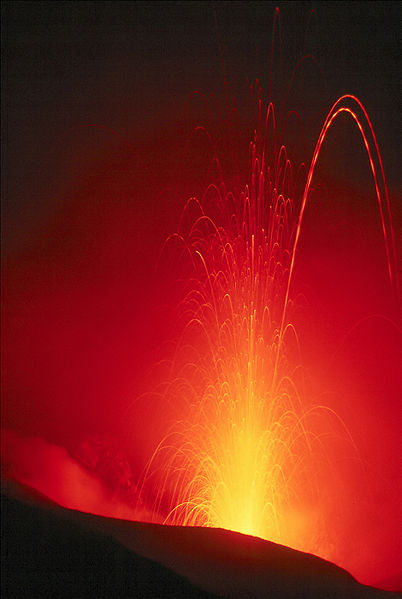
{"x": 251, "y": 453}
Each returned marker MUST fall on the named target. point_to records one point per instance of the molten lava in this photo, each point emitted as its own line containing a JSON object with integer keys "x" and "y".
{"x": 250, "y": 452}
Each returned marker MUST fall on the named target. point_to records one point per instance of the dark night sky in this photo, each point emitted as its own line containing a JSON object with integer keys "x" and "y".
{"x": 130, "y": 66}
{"x": 84, "y": 214}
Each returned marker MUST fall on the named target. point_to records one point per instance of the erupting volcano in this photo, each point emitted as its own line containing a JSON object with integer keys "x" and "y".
{"x": 231, "y": 374}
{"x": 252, "y": 450}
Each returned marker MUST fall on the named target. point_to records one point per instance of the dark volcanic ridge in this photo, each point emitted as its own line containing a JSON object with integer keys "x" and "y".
{"x": 50, "y": 551}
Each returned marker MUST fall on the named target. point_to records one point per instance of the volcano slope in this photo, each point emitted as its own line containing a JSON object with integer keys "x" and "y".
{"x": 50, "y": 551}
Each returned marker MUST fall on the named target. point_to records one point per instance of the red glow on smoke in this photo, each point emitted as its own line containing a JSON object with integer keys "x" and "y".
{"x": 249, "y": 383}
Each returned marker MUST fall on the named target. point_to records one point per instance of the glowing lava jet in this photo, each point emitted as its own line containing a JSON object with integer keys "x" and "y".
{"x": 251, "y": 454}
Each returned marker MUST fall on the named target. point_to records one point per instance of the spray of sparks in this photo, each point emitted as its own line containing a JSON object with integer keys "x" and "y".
{"x": 250, "y": 450}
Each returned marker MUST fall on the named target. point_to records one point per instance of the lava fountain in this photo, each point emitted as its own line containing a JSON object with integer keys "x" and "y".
{"x": 250, "y": 452}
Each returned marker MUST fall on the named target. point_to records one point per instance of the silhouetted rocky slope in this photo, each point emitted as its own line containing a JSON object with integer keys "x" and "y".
{"x": 48, "y": 551}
